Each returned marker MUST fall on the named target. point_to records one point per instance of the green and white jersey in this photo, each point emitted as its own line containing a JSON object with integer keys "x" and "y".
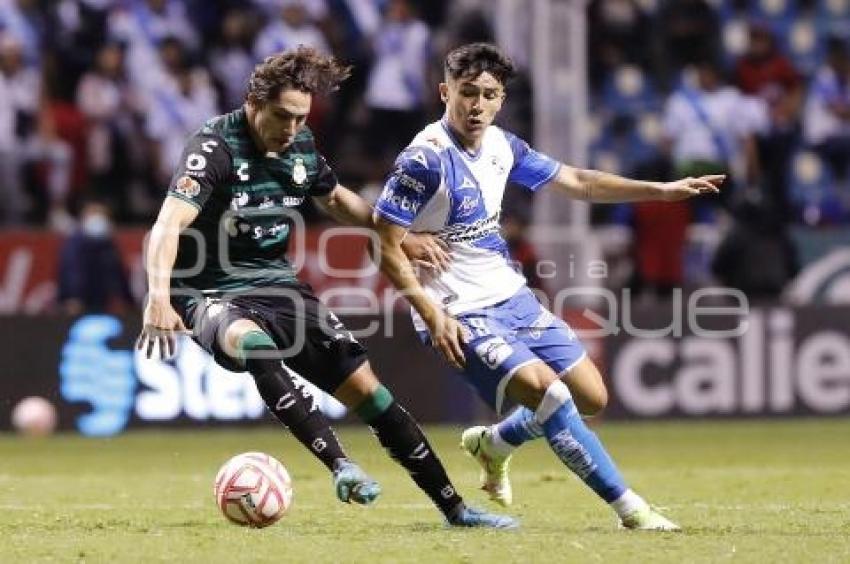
{"x": 246, "y": 198}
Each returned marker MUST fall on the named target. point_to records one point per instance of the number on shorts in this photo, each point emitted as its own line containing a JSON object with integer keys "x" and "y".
{"x": 479, "y": 325}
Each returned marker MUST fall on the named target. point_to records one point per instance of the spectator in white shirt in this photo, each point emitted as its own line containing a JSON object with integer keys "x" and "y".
{"x": 710, "y": 127}
{"x": 12, "y": 201}
{"x": 35, "y": 138}
{"x": 110, "y": 106}
{"x": 826, "y": 120}
{"x": 23, "y": 20}
{"x": 397, "y": 88}
{"x": 142, "y": 25}
{"x": 294, "y": 27}
{"x": 179, "y": 105}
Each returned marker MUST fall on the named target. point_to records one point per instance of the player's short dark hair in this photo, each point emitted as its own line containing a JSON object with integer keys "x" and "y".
{"x": 470, "y": 60}
{"x": 302, "y": 68}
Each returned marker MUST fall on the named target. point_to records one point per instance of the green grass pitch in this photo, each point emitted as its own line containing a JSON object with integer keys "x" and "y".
{"x": 744, "y": 491}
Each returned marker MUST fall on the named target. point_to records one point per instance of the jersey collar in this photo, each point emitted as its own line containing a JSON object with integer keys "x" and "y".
{"x": 473, "y": 156}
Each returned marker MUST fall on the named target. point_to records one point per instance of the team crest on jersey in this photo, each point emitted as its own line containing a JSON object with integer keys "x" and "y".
{"x": 299, "y": 171}
{"x": 468, "y": 206}
{"x": 187, "y": 186}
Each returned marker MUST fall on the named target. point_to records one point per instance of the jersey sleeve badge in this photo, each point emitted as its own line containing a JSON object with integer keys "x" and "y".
{"x": 187, "y": 186}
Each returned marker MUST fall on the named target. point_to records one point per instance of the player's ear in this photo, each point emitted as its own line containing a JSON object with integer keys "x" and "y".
{"x": 444, "y": 92}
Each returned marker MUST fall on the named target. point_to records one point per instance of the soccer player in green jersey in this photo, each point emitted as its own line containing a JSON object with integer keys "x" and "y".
{"x": 217, "y": 264}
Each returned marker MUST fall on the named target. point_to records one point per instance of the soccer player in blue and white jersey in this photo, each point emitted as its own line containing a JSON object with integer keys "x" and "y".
{"x": 478, "y": 312}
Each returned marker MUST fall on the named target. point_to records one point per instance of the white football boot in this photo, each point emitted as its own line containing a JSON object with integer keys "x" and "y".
{"x": 647, "y": 519}
{"x": 477, "y": 442}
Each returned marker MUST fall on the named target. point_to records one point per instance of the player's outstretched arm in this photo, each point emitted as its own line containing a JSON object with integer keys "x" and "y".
{"x": 603, "y": 187}
{"x": 446, "y": 332}
{"x": 160, "y": 320}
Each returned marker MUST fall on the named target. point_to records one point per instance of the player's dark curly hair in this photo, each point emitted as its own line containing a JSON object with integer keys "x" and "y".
{"x": 302, "y": 68}
{"x": 470, "y": 60}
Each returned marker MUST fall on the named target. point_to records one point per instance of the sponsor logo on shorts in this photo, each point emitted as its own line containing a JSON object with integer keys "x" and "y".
{"x": 187, "y": 186}
{"x": 493, "y": 352}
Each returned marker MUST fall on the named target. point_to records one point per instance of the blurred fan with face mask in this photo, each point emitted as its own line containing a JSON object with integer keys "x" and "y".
{"x": 92, "y": 277}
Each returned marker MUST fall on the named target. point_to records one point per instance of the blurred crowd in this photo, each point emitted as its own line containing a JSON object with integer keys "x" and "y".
{"x": 755, "y": 89}
{"x": 98, "y": 96}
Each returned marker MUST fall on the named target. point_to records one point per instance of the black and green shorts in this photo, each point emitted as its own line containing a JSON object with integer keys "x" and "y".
{"x": 311, "y": 340}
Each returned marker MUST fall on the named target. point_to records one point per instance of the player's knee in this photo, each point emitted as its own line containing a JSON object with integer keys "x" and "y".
{"x": 587, "y": 387}
{"x": 530, "y": 383}
{"x": 364, "y": 394}
{"x": 233, "y": 339}
{"x": 592, "y": 404}
{"x": 358, "y": 388}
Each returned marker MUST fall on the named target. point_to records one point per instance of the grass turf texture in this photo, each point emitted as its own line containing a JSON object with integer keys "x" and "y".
{"x": 744, "y": 491}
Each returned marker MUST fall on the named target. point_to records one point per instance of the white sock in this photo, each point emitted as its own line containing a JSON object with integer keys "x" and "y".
{"x": 497, "y": 444}
{"x": 628, "y": 503}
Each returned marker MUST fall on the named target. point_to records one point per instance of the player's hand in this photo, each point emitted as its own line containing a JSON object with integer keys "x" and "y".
{"x": 426, "y": 250}
{"x": 689, "y": 187}
{"x": 447, "y": 336}
{"x": 160, "y": 324}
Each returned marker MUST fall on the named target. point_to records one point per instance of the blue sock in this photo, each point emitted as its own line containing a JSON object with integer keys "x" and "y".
{"x": 577, "y": 446}
{"x": 519, "y": 427}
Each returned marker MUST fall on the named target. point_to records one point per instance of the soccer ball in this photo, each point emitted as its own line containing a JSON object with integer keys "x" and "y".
{"x": 34, "y": 416}
{"x": 253, "y": 489}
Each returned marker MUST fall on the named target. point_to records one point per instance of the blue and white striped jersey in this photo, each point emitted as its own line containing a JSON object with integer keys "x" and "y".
{"x": 439, "y": 187}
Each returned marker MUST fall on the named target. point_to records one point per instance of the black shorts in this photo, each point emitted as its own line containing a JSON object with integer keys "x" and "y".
{"x": 312, "y": 341}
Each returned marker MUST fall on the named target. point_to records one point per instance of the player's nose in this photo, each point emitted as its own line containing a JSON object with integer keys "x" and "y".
{"x": 291, "y": 127}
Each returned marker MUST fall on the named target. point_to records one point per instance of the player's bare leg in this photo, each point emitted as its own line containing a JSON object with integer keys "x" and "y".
{"x": 293, "y": 406}
{"x": 402, "y": 437}
{"x": 587, "y": 387}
